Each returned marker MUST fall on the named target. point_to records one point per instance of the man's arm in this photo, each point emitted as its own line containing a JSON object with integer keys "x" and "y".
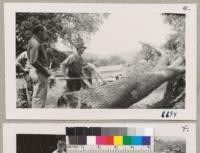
{"x": 34, "y": 54}
{"x": 21, "y": 57}
{"x": 64, "y": 65}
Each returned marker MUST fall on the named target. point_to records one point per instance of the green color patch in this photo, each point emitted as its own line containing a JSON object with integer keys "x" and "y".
{"x": 127, "y": 140}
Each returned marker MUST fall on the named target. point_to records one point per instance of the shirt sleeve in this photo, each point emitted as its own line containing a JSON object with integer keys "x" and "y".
{"x": 55, "y": 151}
{"x": 21, "y": 57}
{"x": 67, "y": 62}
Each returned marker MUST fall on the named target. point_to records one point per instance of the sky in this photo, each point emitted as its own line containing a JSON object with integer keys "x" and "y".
{"x": 121, "y": 32}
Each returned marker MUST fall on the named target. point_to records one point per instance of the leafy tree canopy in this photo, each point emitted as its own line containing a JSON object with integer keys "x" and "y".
{"x": 176, "y": 41}
{"x": 72, "y": 27}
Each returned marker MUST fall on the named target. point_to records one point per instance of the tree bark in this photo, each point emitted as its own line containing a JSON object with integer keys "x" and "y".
{"x": 117, "y": 94}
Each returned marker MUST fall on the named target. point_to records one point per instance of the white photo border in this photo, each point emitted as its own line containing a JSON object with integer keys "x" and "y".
{"x": 10, "y": 130}
{"x": 189, "y": 113}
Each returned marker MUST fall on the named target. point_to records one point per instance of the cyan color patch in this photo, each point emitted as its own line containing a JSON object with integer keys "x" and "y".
{"x": 136, "y": 140}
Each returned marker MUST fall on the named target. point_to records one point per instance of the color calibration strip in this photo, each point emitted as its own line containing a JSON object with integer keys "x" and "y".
{"x": 109, "y": 136}
{"x": 109, "y": 140}
{"x": 108, "y": 131}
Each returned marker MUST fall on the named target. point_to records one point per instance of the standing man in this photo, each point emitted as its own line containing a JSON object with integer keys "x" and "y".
{"x": 72, "y": 67}
{"x": 60, "y": 147}
{"x": 38, "y": 61}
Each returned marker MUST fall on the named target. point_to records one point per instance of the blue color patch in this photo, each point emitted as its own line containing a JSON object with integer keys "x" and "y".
{"x": 136, "y": 140}
{"x": 146, "y": 140}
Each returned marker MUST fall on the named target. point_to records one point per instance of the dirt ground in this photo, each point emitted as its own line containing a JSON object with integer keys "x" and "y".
{"x": 53, "y": 94}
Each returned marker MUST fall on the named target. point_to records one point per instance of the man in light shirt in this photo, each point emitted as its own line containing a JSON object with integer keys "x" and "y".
{"x": 60, "y": 147}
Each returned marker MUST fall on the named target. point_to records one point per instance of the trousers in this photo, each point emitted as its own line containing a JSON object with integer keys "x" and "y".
{"x": 40, "y": 87}
{"x": 29, "y": 88}
{"x": 74, "y": 85}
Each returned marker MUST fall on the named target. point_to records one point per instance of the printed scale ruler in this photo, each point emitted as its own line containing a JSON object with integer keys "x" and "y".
{"x": 109, "y": 140}
{"x": 103, "y": 149}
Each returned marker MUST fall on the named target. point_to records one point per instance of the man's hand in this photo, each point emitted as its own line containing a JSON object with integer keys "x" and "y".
{"x": 52, "y": 81}
{"x": 48, "y": 73}
{"x": 33, "y": 75}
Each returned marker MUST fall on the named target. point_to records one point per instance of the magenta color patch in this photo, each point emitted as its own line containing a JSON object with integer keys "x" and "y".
{"x": 100, "y": 140}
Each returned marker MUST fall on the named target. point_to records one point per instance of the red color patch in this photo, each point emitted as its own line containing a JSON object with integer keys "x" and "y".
{"x": 109, "y": 140}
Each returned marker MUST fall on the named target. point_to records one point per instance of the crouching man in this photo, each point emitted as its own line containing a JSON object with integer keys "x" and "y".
{"x": 23, "y": 68}
{"x": 91, "y": 72}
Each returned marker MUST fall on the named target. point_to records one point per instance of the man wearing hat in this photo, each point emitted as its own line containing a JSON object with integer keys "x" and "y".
{"x": 72, "y": 67}
{"x": 38, "y": 63}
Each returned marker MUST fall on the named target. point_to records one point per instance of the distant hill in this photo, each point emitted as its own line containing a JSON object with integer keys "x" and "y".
{"x": 128, "y": 56}
{"x": 56, "y": 57}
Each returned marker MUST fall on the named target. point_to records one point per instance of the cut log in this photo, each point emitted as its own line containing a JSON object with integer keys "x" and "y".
{"x": 116, "y": 94}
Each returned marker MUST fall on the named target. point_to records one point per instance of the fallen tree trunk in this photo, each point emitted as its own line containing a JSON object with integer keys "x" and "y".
{"x": 174, "y": 96}
{"x": 116, "y": 94}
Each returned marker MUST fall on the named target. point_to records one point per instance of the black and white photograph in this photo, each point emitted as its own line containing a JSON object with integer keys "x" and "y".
{"x": 55, "y": 68}
{"x": 170, "y": 145}
{"x": 32, "y": 143}
{"x": 105, "y": 59}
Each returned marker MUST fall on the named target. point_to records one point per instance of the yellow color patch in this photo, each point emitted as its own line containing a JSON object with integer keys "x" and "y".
{"x": 118, "y": 140}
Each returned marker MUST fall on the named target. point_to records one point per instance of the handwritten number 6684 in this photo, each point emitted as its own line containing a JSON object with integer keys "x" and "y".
{"x": 168, "y": 114}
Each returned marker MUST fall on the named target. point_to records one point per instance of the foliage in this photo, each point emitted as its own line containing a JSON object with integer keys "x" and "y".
{"x": 148, "y": 58}
{"x": 174, "y": 46}
{"x": 148, "y": 55}
{"x": 176, "y": 41}
{"x": 175, "y": 92}
{"x": 72, "y": 27}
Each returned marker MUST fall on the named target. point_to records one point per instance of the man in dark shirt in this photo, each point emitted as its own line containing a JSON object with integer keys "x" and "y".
{"x": 72, "y": 67}
{"x": 38, "y": 61}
